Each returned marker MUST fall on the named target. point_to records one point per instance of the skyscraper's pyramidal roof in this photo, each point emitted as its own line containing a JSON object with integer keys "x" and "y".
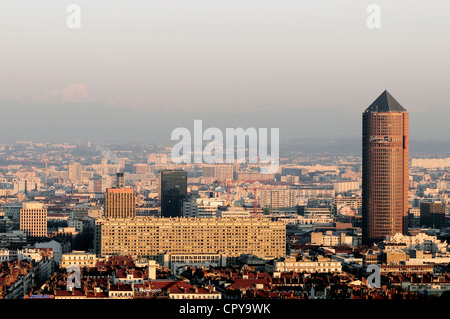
{"x": 385, "y": 103}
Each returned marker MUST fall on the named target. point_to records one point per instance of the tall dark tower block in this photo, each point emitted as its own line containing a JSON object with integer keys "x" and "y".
{"x": 432, "y": 215}
{"x": 173, "y": 190}
{"x": 120, "y": 181}
{"x": 385, "y": 159}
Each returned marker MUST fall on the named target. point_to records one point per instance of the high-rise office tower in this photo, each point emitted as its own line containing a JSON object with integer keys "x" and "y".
{"x": 172, "y": 192}
{"x": 33, "y": 219}
{"x": 385, "y": 162}
{"x": 120, "y": 202}
{"x": 432, "y": 215}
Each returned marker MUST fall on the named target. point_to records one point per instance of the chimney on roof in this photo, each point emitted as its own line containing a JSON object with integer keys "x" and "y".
{"x": 151, "y": 270}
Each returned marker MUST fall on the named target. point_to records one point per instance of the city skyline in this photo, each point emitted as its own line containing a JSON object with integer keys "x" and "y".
{"x": 240, "y": 233}
{"x": 225, "y": 157}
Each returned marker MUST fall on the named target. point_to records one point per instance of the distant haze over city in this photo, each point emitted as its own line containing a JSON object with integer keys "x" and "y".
{"x": 80, "y": 123}
{"x": 133, "y": 72}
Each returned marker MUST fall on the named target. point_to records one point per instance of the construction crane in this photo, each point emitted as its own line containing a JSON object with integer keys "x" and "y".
{"x": 227, "y": 182}
{"x": 230, "y": 181}
{"x": 228, "y": 188}
{"x": 256, "y": 200}
{"x": 255, "y": 189}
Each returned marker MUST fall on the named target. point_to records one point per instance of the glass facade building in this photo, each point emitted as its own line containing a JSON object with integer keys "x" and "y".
{"x": 173, "y": 190}
{"x": 432, "y": 215}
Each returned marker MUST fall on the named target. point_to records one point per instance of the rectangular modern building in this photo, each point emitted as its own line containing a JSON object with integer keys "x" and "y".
{"x": 120, "y": 202}
{"x": 432, "y": 215}
{"x": 78, "y": 258}
{"x": 221, "y": 173}
{"x": 158, "y": 238}
{"x": 172, "y": 192}
{"x": 33, "y": 219}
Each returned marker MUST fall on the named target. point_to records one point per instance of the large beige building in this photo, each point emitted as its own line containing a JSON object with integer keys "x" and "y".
{"x": 282, "y": 196}
{"x": 275, "y": 198}
{"x": 221, "y": 172}
{"x": 304, "y": 265}
{"x": 330, "y": 239}
{"x": 33, "y": 219}
{"x": 79, "y": 258}
{"x": 354, "y": 202}
{"x": 155, "y": 238}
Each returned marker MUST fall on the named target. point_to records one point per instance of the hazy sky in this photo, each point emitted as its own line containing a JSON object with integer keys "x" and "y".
{"x": 230, "y": 55}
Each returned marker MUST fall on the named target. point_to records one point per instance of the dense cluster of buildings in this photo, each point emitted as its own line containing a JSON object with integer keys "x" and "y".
{"x": 136, "y": 225}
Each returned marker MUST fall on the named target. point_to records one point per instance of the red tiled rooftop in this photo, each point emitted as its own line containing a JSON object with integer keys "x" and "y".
{"x": 56, "y": 215}
{"x": 119, "y": 287}
{"x": 191, "y": 290}
{"x": 65, "y": 293}
{"x": 177, "y": 287}
{"x": 248, "y": 283}
{"x": 166, "y": 284}
{"x": 91, "y": 294}
{"x": 122, "y": 273}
